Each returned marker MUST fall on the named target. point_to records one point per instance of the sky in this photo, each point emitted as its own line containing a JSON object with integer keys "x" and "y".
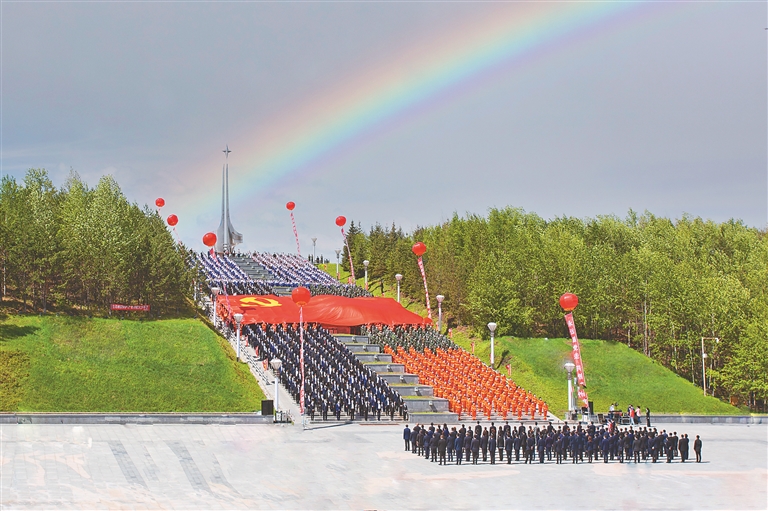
{"x": 404, "y": 112}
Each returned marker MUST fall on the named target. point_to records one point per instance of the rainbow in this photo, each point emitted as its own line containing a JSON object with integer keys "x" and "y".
{"x": 291, "y": 144}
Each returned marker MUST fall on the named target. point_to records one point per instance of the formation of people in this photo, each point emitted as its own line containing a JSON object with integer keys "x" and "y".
{"x": 335, "y": 381}
{"x": 547, "y": 444}
{"x": 286, "y": 271}
{"x": 470, "y": 386}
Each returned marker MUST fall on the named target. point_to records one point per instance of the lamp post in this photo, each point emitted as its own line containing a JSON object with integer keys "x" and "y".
{"x": 338, "y": 252}
{"x": 703, "y": 362}
{"x": 492, "y": 328}
{"x": 440, "y": 299}
{"x": 570, "y": 366}
{"x": 276, "y": 364}
{"x": 399, "y": 278}
{"x": 238, "y": 319}
{"x": 314, "y": 242}
{"x": 366, "y": 263}
{"x": 215, "y": 293}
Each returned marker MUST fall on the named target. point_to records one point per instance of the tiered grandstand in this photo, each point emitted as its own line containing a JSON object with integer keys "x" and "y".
{"x": 386, "y": 369}
{"x": 270, "y": 274}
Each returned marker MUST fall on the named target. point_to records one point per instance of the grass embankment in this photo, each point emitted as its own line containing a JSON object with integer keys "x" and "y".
{"x": 65, "y": 364}
{"x": 613, "y": 371}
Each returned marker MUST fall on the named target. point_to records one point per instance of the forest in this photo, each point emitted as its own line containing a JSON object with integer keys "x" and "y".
{"x": 78, "y": 249}
{"x": 655, "y": 284}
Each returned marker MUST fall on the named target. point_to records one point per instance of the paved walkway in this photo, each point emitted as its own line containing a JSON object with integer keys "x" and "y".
{"x": 356, "y": 466}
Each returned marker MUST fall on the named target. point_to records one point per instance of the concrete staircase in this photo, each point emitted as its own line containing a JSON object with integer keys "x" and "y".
{"x": 422, "y": 404}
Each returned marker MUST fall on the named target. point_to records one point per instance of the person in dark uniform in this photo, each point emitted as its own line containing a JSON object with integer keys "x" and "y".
{"x": 484, "y": 445}
{"x": 509, "y": 444}
{"x": 414, "y": 436}
{"x": 500, "y": 443}
{"x": 492, "y": 448}
{"x": 468, "y": 444}
{"x": 647, "y": 417}
{"x": 459, "y": 446}
{"x": 542, "y": 445}
{"x": 683, "y": 446}
{"x": 697, "y": 448}
{"x": 605, "y": 446}
{"x": 475, "y": 449}
{"x": 518, "y": 445}
{"x": 406, "y": 437}
{"x": 433, "y": 445}
{"x": 530, "y": 447}
{"x": 441, "y": 446}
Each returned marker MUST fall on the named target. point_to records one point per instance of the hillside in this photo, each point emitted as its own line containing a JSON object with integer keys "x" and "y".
{"x": 614, "y": 373}
{"x": 70, "y": 364}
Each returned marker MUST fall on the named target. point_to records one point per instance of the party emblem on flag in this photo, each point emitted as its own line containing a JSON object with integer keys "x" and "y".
{"x": 252, "y": 301}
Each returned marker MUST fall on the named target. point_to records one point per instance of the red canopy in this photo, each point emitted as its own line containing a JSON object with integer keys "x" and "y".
{"x": 327, "y": 310}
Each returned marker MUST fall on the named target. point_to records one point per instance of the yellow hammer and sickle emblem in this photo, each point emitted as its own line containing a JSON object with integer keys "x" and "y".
{"x": 261, "y": 302}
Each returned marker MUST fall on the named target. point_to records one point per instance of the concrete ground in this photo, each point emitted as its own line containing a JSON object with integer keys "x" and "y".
{"x": 356, "y": 466}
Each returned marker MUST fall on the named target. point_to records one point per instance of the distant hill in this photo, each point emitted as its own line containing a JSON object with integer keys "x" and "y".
{"x": 614, "y": 373}
{"x": 58, "y": 364}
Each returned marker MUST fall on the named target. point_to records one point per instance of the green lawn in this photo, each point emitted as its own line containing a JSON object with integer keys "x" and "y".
{"x": 65, "y": 364}
{"x": 614, "y": 373}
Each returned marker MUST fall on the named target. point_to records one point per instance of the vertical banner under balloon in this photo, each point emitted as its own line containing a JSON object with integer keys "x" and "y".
{"x": 426, "y": 291}
{"x": 296, "y": 234}
{"x": 301, "y": 358}
{"x": 577, "y": 358}
{"x": 349, "y": 252}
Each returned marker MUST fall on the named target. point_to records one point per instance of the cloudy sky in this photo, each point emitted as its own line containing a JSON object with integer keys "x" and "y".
{"x": 386, "y": 112}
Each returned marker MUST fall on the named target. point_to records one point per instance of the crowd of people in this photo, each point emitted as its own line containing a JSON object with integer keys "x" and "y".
{"x": 284, "y": 271}
{"x": 336, "y": 382}
{"x": 547, "y": 444}
{"x": 470, "y": 386}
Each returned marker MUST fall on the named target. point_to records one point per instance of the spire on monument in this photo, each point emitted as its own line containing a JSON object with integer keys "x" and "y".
{"x": 226, "y": 235}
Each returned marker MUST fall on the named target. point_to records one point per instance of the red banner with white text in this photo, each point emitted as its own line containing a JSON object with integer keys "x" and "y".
{"x": 120, "y": 307}
{"x": 577, "y": 358}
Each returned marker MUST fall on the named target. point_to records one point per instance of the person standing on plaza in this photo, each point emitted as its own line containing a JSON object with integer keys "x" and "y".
{"x": 441, "y": 447}
{"x": 492, "y": 448}
{"x": 406, "y": 437}
{"x": 475, "y": 449}
{"x": 683, "y": 446}
{"x": 697, "y": 448}
{"x": 647, "y": 417}
{"x": 459, "y": 446}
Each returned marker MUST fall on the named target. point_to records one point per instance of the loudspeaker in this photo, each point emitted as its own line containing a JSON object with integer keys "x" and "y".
{"x": 591, "y": 408}
{"x": 267, "y": 407}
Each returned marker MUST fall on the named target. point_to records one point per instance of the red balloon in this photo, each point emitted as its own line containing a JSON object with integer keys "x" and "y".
{"x": 419, "y": 248}
{"x": 290, "y": 206}
{"x": 159, "y": 202}
{"x": 569, "y": 301}
{"x": 173, "y": 220}
{"x": 209, "y": 239}
{"x": 341, "y": 220}
{"x": 301, "y": 296}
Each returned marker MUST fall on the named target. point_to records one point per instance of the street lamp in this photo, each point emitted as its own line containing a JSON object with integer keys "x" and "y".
{"x": 338, "y": 252}
{"x": 238, "y": 319}
{"x": 570, "y": 366}
{"x": 314, "y": 242}
{"x": 703, "y": 362}
{"x": 366, "y": 263}
{"x": 440, "y": 299}
{"x": 276, "y": 363}
{"x": 492, "y": 328}
{"x": 399, "y": 278}
{"x": 215, "y": 292}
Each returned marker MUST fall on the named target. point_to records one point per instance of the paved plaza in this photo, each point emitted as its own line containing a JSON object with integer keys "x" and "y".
{"x": 354, "y": 466}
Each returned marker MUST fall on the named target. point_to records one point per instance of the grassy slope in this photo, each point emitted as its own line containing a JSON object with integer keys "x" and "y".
{"x": 102, "y": 365}
{"x": 614, "y": 373}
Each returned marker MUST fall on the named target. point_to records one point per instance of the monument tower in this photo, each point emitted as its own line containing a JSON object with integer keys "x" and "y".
{"x": 226, "y": 235}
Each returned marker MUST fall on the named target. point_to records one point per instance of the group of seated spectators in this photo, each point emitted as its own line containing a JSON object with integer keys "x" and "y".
{"x": 336, "y": 382}
{"x": 408, "y": 336}
{"x": 286, "y": 271}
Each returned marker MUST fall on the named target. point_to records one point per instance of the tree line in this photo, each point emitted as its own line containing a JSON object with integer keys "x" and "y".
{"x": 79, "y": 249}
{"x": 658, "y": 285}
